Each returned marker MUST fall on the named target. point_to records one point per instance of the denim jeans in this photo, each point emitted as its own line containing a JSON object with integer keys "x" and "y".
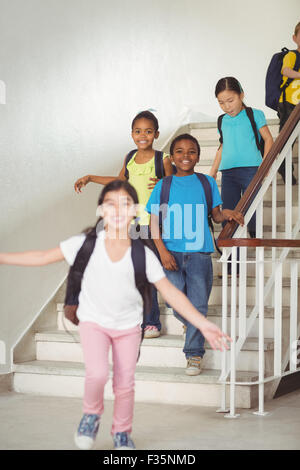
{"x": 235, "y": 181}
{"x": 153, "y": 319}
{"x": 284, "y": 111}
{"x": 194, "y": 278}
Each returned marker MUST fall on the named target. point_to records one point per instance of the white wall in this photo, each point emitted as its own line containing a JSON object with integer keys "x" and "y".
{"x": 74, "y": 74}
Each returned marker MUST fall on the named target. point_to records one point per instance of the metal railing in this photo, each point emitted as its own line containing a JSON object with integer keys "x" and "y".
{"x": 262, "y": 261}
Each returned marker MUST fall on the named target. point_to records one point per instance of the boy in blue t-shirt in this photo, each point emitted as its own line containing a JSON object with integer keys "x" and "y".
{"x": 186, "y": 244}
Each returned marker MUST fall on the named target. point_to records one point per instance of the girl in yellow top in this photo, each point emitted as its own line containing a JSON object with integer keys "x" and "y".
{"x": 292, "y": 92}
{"x": 141, "y": 175}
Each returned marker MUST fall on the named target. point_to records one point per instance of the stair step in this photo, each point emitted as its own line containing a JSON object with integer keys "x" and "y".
{"x": 152, "y": 385}
{"x": 169, "y": 341}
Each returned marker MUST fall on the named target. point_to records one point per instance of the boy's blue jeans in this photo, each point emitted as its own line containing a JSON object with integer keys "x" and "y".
{"x": 194, "y": 278}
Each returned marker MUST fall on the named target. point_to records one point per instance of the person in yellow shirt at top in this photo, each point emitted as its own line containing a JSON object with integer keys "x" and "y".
{"x": 290, "y": 96}
{"x": 140, "y": 168}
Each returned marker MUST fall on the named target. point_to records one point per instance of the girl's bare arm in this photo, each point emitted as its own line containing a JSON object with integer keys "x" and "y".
{"x": 32, "y": 258}
{"x": 184, "y": 307}
{"x": 290, "y": 73}
{"x": 267, "y": 136}
{"x": 81, "y": 182}
{"x": 215, "y": 166}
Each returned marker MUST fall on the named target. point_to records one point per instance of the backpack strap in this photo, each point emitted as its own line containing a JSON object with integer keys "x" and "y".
{"x": 250, "y": 115}
{"x": 127, "y": 160}
{"x": 164, "y": 198}
{"x": 219, "y": 124}
{"x": 76, "y": 274}
{"x": 138, "y": 256}
{"x": 159, "y": 164}
{"x": 158, "y": 161}
{"x": 209, "y": 201}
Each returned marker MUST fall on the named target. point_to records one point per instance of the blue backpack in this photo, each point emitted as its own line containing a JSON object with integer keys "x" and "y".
{"x": 274, "y": 78}
{"x": 165, "y": 194}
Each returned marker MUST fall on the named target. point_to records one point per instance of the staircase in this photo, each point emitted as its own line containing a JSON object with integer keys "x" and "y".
{"x": 49, "y": 360}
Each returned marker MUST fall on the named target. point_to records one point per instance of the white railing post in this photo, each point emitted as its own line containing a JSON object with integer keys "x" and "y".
{"x": 293, "y": 315}
{"x": 261, "y": 340}
{"x": 288, "y": 195}
{"x": 223, "y": 408}
{"x": 232, "y": 413}
{"x": 278, "y": 319}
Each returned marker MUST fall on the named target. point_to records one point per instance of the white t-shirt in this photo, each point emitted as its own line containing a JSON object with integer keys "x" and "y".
{"x": 108, "y": 293}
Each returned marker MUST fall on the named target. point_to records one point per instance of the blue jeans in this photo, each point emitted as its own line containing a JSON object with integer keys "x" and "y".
{"x": 194, "y": 278}
{"x": 153, "y": 319}
{"x": 235, "y": 181}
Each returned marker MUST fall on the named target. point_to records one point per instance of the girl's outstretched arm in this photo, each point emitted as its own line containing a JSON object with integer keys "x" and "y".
{"x": 174, "y": 297}
{"x": 267, "y": 136}
{"x": 32, "y": 258}
{"x": 82, "y": 182}
{"x": 215, "y": 166}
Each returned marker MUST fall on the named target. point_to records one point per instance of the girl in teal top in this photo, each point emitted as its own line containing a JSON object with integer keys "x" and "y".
{"x": 238, "y": 156}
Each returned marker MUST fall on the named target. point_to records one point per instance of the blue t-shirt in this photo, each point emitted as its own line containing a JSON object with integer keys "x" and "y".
{"x": 185, "y": 228}
{"x": 239, "y": 146}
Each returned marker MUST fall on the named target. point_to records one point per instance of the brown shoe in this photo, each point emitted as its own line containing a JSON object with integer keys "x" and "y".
{"x": 193, "y": 365}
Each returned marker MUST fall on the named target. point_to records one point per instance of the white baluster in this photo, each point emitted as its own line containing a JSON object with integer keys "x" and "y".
{"x": 261, "y": 340}
{"x": 223, "y": 408}
{"x": 293, "y": 315}
{"x": 278, "y": 319}
{"x": 232, "y": 413}
{"x": 288, "y": 194}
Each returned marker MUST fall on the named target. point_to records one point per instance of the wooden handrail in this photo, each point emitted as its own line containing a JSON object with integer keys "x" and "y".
{"x": 262, "y": 172}
{"x": 260, "y": 242}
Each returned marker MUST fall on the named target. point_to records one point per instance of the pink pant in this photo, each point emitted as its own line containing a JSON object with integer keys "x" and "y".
{"x": 96, "y": 342}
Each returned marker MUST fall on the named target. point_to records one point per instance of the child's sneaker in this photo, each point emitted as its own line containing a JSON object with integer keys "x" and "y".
{"x": 122, "y": 441}
{"x": 193, "y": 365}
{"x": 87, "y": 431}
{"x": 151, "y": 332}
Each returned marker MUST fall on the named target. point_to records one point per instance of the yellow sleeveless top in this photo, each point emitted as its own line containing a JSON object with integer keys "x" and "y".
{"x": 139, "y": 175}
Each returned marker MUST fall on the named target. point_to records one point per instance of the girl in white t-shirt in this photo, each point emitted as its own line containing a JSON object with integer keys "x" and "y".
{"x": 110, "y": 311}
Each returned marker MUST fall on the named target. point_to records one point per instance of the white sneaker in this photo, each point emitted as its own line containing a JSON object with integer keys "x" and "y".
{"x": 87, "y": 431}
{"x": 151, "y": 332}
{"x": 193, "y": 365}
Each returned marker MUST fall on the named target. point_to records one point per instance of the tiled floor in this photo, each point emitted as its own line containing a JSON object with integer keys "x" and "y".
{"x": 38, "y": 422}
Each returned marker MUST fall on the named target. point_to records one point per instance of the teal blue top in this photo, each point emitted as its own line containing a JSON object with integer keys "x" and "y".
{"x": 239, "y": 146}
{"x": 185, "y": 228}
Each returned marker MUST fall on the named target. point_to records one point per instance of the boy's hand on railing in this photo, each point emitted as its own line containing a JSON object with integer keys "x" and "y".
{"x": 216, "y": 338}
{"x": 81, "y": 182}
{"x": 233, "y": 215}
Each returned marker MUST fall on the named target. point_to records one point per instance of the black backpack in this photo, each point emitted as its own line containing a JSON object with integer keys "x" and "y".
{"x": 76, "y": 271}
{"x": 260, "y": 143}
{"x": 159, "y": 164}
{"x": 274, "y": 78}
{"x": 164, "y": 199}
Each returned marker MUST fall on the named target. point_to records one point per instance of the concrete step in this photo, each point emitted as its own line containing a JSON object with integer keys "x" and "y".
{"x": 153, "y": 385}
{"x": 172, "y": 326}
{"x": 165, "y": 351}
